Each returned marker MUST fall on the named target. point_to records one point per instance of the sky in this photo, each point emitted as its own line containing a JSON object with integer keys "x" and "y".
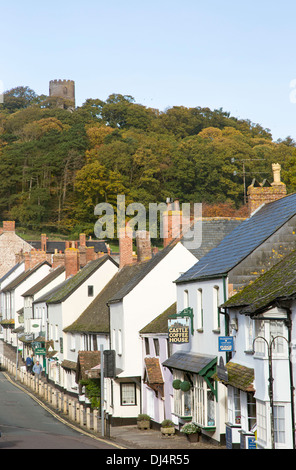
{"x": 234, "y": 55}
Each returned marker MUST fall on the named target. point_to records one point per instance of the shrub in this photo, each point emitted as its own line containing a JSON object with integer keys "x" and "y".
{"x": 185, "y": 386}
{"x": 167, "y": 423}
{"x": 190, "y": 428}
{"x": 176, "y": 384}
{"x": 143, "y": 417}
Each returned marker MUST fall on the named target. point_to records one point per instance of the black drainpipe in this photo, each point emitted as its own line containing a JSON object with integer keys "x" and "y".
{"x": 292, "y": 388}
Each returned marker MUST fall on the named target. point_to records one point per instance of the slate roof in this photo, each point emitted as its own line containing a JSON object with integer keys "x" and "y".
{"x": 60, "y": 245}
{"x": 46, "y": 280}
{"x": 160, "y": 323}
{"x": 214, "y": 229}
{"x": 22, "y": 277}
{"x": 66, "y": 288}
{"x": 10, "y": 271}
{"x": 243, "y": 240}
{"x": 189, "y": 361}
{"x": 95, "y": 318}
{"x": 277, "y": 283}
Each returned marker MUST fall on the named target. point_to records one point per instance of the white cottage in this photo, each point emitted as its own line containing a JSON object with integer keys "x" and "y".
{"x": 260, "y": 376}
{"x": 14, "y": 272}
{"x": 249, "y": 250}
{"x": 146, "y": 295}
{"x": 13, "y": 302}
{"x": 63, "y": 305}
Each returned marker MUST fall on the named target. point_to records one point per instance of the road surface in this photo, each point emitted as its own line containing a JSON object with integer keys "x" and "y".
{"x": 26, "y": 424}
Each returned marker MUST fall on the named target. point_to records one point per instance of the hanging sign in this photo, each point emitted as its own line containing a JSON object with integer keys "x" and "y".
{"x": 178, "y": 330}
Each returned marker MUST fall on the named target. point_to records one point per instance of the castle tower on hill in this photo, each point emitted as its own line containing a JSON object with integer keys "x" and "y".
{"x": 64, "y": 89}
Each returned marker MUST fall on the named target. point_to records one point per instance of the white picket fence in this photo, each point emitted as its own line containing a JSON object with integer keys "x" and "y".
{"x": 69, "y": 407}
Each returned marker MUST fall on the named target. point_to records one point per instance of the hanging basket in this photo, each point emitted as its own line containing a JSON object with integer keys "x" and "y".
{"x": 185, "y": 386}
{"x": 177, "y": 384}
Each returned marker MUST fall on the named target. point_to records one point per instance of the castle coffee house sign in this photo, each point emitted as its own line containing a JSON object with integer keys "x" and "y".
{"x": 179, "y": 328}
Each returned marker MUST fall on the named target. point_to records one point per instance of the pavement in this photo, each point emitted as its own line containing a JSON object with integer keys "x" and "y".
{"x": 130, "y": 437}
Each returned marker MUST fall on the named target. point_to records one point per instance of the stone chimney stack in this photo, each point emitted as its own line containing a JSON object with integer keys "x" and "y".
{"x": 143, "y": 245}
{"x": 125, "y": 246}
{"x": 263, "y": 193}
{"x": 71, "y": 261}
{"x": 58, "y": 259}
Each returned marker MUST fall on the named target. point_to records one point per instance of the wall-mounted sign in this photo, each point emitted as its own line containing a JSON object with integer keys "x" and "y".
{"x": 179, "y": 329}
{"x": 225, "y": 343}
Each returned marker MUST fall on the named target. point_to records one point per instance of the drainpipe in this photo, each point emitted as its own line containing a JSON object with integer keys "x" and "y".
{"x": 224, "y": 277}
{"x": 292, "y": 388}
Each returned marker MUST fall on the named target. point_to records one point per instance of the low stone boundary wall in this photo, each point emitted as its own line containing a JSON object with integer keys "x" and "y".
{"x": 75, "y": 411}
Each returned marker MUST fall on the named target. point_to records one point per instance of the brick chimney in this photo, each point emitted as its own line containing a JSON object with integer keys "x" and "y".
{"x": 82, "y": 239}
{"x": 263, "y": 193}
{"x": 9, "y": 226}
{"x": 71, "y": 261}
{"x": 90, "y": 253}
{"x": 58, "y": 259}
{"x": 143, "y": 245}
{"x": 125, "y": 246}
{"x": 34, "y": 257}
{"x": 43, "y": 241}
{"x": 174, "y": 222}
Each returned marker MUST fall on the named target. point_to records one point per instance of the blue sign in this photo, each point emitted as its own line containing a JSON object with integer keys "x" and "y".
{"x": 225, "y": 343}
{"x": 252, "y": 443}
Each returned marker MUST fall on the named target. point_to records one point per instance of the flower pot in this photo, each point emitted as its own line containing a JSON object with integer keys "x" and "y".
{"x": 169, "y": 431}
{"x": 193, "y": 437}
{"x": 143, "y": 424}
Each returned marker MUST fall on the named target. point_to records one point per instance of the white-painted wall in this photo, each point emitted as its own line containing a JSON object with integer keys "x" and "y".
{"x": 151, "y": 296}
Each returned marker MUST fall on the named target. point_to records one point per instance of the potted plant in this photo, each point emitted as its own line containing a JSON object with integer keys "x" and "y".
{"x": 192, "y": 431}
{"x": 167, "y": 428}
{"x": 143, "y": 421}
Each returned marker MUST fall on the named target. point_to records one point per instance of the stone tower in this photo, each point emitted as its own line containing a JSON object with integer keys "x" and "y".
{"x": 64, "y": 89}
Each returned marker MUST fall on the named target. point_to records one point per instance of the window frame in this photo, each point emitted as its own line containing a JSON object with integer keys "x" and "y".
{"x": 132, "y": 385}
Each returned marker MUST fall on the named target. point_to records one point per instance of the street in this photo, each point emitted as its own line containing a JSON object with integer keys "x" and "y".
{"x": 25, "y": 424}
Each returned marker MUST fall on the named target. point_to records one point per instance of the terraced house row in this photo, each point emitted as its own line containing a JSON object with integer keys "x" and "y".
{"x": 204, "y": 334}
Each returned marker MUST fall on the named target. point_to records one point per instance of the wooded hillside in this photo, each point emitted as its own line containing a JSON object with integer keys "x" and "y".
{"x": 56, "y": 165}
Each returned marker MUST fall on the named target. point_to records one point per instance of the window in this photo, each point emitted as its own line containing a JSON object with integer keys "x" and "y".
{"x": 279, "y": 424}
{"x": 119, "y": 342}
{"x": 169, "y": 348}
{"x": 251, "y": 405}
{"x": 199, "y": 310}
{"x": 216, "y": 314}
{"x": 147, "y": 347}
{"x": 156, "y": 346}
{"x": 261, "y": 422}
{"x": 90, "y": 291}
{"x": 182, "y": 400}
{"x": 186, "y": 299}
{"x": 72, "y": 347}
{"x": 204, "y": 411}
{"x": 237, "y": 406}
{"x": 128, "y": 394}
{"x": 274, "y": 332}
{"x": 276, "y": 329}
